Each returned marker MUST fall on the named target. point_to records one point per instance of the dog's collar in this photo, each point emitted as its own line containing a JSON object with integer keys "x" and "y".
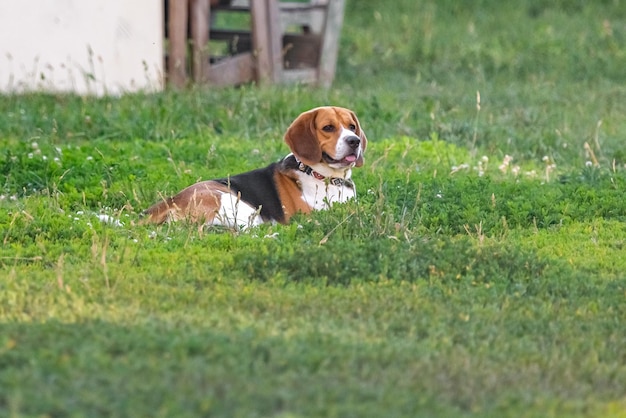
{"x": 335, "y": 181}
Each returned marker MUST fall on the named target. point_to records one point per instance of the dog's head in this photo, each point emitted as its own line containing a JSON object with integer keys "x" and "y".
{"x": 330, "y": 136}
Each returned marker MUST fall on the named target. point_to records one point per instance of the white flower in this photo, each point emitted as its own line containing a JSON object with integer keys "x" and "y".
{"x": 109, "y": 220}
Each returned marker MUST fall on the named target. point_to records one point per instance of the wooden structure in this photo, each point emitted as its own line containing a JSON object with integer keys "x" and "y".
{"x": 286, "y": 42}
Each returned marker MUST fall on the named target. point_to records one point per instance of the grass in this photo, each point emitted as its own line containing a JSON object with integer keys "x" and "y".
{"x": 462, "y": 283}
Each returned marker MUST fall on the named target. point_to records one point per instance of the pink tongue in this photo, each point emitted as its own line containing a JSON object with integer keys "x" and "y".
{"x": 350, "y": 158}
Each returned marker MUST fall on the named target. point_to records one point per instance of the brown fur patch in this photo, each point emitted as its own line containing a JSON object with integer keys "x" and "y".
{"x": 290, "y": 196}
{"x": 197, "y": 203}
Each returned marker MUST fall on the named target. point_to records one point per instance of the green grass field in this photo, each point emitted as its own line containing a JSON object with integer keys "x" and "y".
{"x": 463, "y": 283}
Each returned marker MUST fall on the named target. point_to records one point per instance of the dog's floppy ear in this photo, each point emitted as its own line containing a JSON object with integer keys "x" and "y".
{"x": 302, "y": 139}
{"x": 361, "y": 134}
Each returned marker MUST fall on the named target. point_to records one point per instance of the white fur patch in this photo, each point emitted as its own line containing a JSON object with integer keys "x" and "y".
{"x": 235, "y": 213}
{"x": 342, "y": 149}
{"x": 319, "y": 195}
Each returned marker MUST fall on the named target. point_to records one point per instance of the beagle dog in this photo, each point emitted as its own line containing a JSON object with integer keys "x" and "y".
{"x": 326, "y": 143}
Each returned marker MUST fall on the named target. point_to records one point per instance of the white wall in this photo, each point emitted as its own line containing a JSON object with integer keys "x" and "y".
{"x": 83, "y": 46}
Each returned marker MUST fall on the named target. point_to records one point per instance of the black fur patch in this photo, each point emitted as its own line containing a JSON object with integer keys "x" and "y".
{"x": 258, "y": 189}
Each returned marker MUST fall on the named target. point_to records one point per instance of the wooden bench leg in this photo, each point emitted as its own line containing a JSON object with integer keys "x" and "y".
{"x": 266, "y": 40}
{"x": 177, "y": 28}
{"x": 330, "y": 44}
{"x": 199, "y": 22}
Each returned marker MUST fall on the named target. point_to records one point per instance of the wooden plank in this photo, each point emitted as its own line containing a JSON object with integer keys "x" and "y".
{"x": 330, "y": 43}
{"x": 275, "y": 41}
{"x": 300, "y": 75}
{"x": 260, "y": 29}
{"x": 302, "y": 50}
{"x": 177, "y": 29}
{"x": 302, "y": 14}
{"x": 229, "y": 34}
{"x": 293, "y": 6}
{"x": 234, "y": 70}
{"x": 266, "y": 40}
{"x": 232, "y": 8}
{"x": 199, "y": 12}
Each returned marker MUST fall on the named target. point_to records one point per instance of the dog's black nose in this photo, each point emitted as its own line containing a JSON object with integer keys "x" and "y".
{"x": 353, "y": 141}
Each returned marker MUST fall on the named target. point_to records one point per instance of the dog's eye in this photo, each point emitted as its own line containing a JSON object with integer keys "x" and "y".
{"x": 328, "y": 128}
{"x": 352, "y": 127}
